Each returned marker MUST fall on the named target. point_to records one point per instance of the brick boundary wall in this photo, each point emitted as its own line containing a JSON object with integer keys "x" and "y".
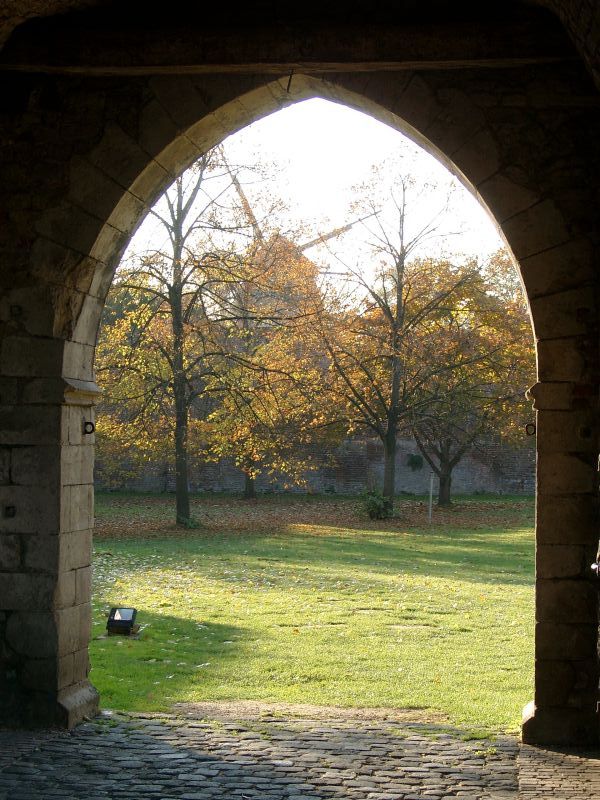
{"x": 353, "y": 467}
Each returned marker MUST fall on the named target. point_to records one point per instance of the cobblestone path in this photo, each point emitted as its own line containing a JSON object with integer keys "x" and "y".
{"x": 269, "y": 759}
{"x": 561, "y": 775}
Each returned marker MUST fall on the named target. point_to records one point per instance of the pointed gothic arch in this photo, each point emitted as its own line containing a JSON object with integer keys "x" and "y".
{"x": 109, "y": 150}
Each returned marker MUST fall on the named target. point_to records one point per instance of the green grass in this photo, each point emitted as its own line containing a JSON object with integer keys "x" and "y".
{"x": 437, "y": 618}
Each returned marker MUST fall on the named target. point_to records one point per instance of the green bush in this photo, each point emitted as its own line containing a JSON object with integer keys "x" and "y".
{"x": 414, "y": 461}
{"x": 376, "y": 506}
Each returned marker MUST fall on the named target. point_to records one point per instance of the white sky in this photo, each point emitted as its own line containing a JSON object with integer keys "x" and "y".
{"x": 321, "y": 150}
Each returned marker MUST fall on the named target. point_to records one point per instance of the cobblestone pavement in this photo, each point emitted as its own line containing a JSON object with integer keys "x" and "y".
{"x": 561, "y": 775}
{"x": 275, "y": 759}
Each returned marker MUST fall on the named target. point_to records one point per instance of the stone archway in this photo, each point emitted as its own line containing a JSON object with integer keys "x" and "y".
{"x": 521, "y": 139}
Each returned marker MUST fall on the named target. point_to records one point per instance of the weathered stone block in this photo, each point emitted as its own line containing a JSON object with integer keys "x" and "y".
{"x": 537, "y": 228}
{"x": 32, "y": 633}
{"x": 560, "y": 726}
{"x": 78, "y": 361}
{"x": 40, "y": 674}
{"x": 30, "y": 356}
{"x": 66, "y": 671}
{"x": 22, "y": 591}
{"x": 81, "y": 665}
{"x": 566, "y": 683}
{"x": 157, "y": 129}
{"x": 75, "y": 550}
{"x": 40, "y": 551}
{"x": 217, "y": 91}
{"x": 384, "y": 95}
{"x": 33, "y": 425}
{"x": 457, "y": 121}
{"x": 562, "y": 561}
{"x": 181, "y": 153}
{"x": 50, "y": 391}
{"x": 555, "y": 640}
{"x": 418, "y": 105}
{"x": 568, "y": 601}
{"x": 36, "y": 466}
{"x": 28, "y": 310}
{"x": 234, "y": 116}
{"x": 504, "y": 197}
{"x": 551, "y": 396}
{"x": 574, "y": 431}
{"x": 477, "y": 158}
{"x": 9, "y": 391}
{"x": 77, "y": 465}
{"x": 28, "y": 509}
{"x": 76, "y": 703}
{"x": 567, "y": 520}
{"x": 118, "y": 155}
{"x": 91, "y": 189}
{"x": 5, "y": 464}
{"x": 58, "y": 264}
{"x": 101, "y": 277}
{"x": 554, "y": 683}
{"x": 88, "y": 320}
{"x": 151, "y": 182}
{"x": 77, "y": 511}
{"x": 108, "y": 246}
{"x": 66, "y": 589}
{"x": 180, "y": 99}
{"x": 566, "y": 473}
{"x": 569, "y": 313}
{"x": 74, "y": 628}
{"x": 10, "y": 552}
{"x": 74, "y": 419}
{"x": 127, "y": 213}
{"x": 70, "y": 226}
{"x": 83, "y": 584}
{"x": 566, "y": 266}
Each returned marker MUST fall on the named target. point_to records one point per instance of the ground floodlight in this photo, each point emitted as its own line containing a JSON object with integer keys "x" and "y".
{"x": 122, "y": 620}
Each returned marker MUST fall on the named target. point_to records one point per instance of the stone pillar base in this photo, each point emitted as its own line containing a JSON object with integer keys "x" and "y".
{"x": 77, "y": 703}
{"x": 560, "y": 726}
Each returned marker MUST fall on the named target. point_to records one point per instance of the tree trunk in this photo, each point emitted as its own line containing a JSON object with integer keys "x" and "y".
{"x": 182, "y": 495}
{"x": 249, "y": 487}
{"x": 444, "y": 497}
{"x": 389, "y": 468}
{"x": 180, "y": 396}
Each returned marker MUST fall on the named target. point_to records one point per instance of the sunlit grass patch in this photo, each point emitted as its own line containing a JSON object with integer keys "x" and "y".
{"x": 322, "y": 614}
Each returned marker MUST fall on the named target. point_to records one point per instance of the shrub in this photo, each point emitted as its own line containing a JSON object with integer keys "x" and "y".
{"x": 414, "y": 461}
{"x": 376, "y": 505}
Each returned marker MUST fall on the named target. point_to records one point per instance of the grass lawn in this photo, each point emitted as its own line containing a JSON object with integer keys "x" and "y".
{"x": 300, "y": 600}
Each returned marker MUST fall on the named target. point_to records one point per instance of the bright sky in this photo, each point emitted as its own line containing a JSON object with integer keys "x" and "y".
{"x": 321, "y": 150}
{"x": 325, "y": 149}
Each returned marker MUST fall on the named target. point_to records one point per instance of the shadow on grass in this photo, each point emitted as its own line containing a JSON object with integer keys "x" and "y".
{"x": 170, "y": 656}
{"x": 489, "y": 557}
{"x": 479, "y": 557}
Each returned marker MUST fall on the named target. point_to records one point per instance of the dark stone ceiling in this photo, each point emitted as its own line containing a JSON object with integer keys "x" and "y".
{"x": 119, "y": 13}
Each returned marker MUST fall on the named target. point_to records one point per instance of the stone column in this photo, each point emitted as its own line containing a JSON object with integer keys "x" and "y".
{"x": 565, "y": 706}
{"x": 46, "y": 518}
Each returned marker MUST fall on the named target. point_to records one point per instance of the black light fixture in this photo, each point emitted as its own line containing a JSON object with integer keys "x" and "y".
{"x": 122, "y": 621}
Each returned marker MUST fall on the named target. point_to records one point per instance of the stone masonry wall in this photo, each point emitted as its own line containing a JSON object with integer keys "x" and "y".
{"x": 82, "y": 159}
{"x": 352, "y": 468}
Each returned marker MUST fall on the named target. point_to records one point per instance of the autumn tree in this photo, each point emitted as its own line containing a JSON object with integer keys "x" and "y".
{"x": 271, "y": 410}
{"x": 206, "y": 350}
{"x": 272, "y": 389}
{"x": 384, "y": 320}
{"x": 488, "y": 338}
{"x": 158, "y": 359}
